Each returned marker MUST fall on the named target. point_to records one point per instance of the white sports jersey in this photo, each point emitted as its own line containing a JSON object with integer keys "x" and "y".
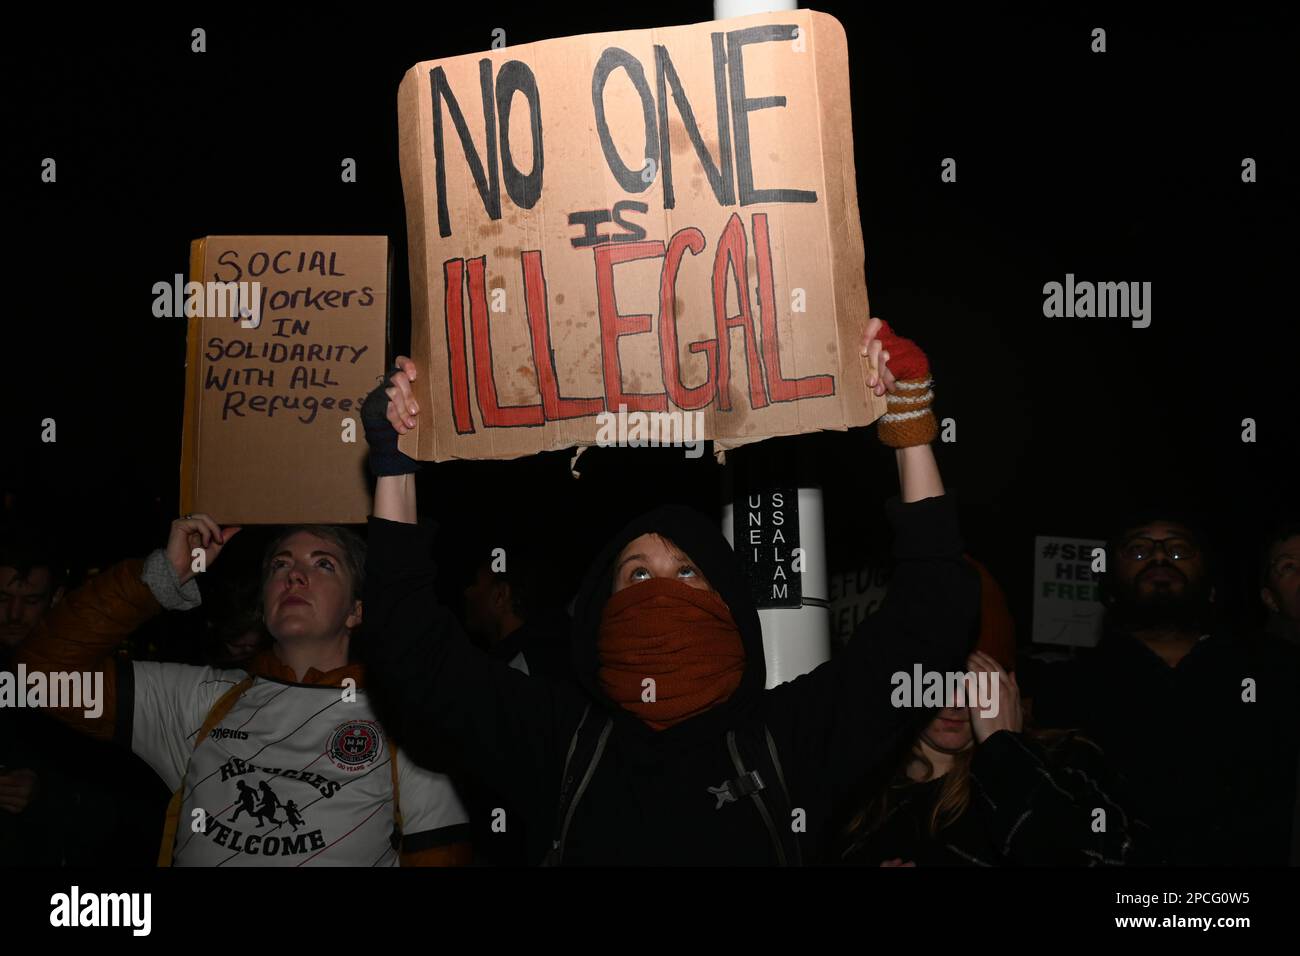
{"x": 293, "y": 775}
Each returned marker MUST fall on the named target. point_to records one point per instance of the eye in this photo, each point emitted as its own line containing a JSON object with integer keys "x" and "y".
{"x": 279, "y": 563}
{"x": 637, "y": 575}
{"x": 325, "y": 563}
{"x": 686, "y": 571}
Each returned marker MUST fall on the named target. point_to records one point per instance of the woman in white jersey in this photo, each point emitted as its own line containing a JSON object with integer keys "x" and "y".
{"x": 293, "y": 725}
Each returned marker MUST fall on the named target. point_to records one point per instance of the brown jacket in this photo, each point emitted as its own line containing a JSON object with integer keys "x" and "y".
{"x": 82, "y": 632}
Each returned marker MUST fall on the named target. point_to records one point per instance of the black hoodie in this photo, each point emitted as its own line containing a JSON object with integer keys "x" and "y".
{"x": 649, "y": 800}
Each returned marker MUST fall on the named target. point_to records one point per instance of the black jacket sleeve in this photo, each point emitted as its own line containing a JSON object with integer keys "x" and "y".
{"x": 1061, "y": 808}
{"x": 446, "y": 702}
{"x": 839, "y": 719}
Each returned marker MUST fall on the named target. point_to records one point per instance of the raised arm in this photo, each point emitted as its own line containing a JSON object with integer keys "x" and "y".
{"x": 918, "y": 473}
{"x": 842, "y": 716}
{"x": 81, "y": 633}
{"x": 446, "y": 702}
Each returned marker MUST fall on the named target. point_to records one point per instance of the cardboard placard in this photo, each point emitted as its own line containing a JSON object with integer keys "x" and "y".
{"x": 1067, "y": 597}
{"x": 661, "y": 220}
{"x": 273, "y": 393}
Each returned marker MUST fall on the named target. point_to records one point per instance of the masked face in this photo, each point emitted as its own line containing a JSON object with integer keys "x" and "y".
{"x": 651, "y": 556}
{"x": 669, "y": 650}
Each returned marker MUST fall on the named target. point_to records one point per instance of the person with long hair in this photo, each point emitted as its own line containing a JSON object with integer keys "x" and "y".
{"x": 978, "y": 787}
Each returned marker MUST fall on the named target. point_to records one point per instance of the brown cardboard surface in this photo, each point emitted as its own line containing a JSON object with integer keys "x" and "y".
{"x": 525, "y": 339}
{"x": 193, "y": 387}
{"x": 265, "y": 407}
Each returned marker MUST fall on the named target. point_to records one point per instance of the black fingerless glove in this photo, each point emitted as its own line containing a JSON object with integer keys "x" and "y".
{"x": 385, "y": 457}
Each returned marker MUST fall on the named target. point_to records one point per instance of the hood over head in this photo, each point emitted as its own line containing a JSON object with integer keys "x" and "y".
{"x": 700, "y": 538}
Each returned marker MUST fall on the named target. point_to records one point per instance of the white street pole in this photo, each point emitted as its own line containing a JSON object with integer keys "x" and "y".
{"x": 795, "y": 640}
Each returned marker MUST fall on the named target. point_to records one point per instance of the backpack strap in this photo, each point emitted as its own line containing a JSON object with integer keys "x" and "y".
{"x": 396, "y": 838}
{"x": 766, "y": 785}
{"x": 796, "y": 854}
{"x": 585, "y": 750}
{"x": 218, "y": 712}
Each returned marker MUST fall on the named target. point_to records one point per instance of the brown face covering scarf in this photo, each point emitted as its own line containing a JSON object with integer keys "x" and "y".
{"x": 681, "y": 637}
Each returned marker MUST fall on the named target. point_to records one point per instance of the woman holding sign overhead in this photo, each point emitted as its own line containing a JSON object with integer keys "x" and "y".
{"x": 672, "y": 751}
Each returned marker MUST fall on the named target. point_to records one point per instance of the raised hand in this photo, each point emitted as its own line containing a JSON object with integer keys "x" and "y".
{"x": 402, "y": 407}
{"x": 902, "y": 370}
{"x": 873, "y": 349}
{"x": 1009, "y": 715}
{"x": 389, "y": 411}
{"x": 195, "y": 531}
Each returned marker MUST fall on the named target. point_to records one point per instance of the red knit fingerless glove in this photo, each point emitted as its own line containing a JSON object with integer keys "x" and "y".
{"x": 908, "y": 419}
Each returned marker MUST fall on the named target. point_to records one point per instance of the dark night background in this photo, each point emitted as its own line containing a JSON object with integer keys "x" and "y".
{"x": 1122, "y": 166}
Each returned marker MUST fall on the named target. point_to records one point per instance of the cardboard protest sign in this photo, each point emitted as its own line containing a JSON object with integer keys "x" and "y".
{"x": 274, "y": 385}
{"x": 1067, "y": 598}
{"x": 661, "y": 224}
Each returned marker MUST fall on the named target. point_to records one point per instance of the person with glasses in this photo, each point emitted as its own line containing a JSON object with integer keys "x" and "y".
{"x": 1185, "y": 707}
{"x": 1161, "y": 591}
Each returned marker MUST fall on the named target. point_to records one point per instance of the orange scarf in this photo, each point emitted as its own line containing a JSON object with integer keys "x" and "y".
{"x": 682, "y": 638}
